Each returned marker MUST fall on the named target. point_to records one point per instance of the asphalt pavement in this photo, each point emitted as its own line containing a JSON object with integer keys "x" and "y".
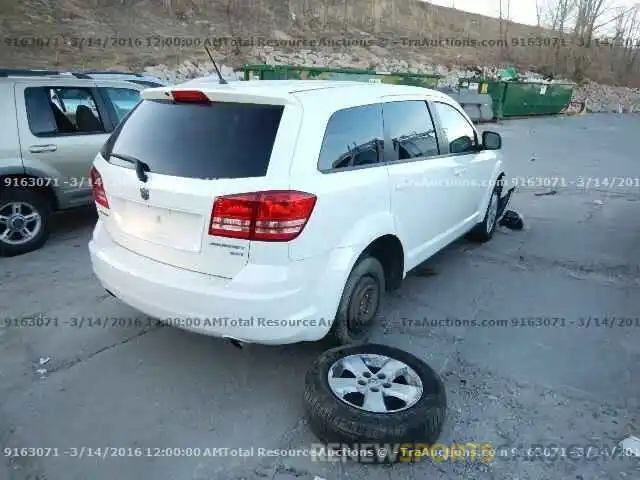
{"x": 540, "y": 366}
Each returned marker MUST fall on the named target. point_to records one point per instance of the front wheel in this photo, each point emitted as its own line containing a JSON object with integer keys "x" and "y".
{"x": 483, "y": 232}
{"x": 24, "y": 221}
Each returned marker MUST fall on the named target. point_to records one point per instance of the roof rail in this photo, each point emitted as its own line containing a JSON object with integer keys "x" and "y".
{"x": 26, "y": 72}
{"x": 109, "y": 72}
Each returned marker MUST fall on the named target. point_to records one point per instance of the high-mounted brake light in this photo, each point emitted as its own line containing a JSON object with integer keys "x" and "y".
{"x": 271, "y": 216}
{"x": 189, "y": 96}
{"x": 99, "y": 193}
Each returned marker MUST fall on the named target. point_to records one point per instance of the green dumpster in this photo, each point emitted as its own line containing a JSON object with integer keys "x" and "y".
{"x": 495, "y": 89}
{"x": 527, "y": 99}
{"x": 291, "y": 72}
{"x": 522, "y": 99}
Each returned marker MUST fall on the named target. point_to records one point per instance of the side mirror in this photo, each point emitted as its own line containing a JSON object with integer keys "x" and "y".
{"x": 491, "y": 141}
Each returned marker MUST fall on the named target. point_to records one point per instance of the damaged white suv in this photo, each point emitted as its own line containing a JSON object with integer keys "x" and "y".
{"x": 276, "y": 212}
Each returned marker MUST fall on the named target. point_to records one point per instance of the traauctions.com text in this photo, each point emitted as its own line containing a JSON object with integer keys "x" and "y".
{"x": 338, "y": 452}
{"x": 189, "y": 42}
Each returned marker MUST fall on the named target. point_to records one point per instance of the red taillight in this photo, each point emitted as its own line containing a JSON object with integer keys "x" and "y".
{"x": 190, "y": 96}
{"x": 99, "y": 194}
{"x": 273, "y": 216}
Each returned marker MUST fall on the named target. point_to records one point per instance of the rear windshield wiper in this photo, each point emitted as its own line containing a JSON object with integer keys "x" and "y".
{"x": 141, "y": 167}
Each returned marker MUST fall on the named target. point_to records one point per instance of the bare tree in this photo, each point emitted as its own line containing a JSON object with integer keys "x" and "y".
{"x": 506, "y": 26}
{"x": 501, "y": 33}
{"x": 556, "y": 15}
{"x": 394, "y": 13}
{"x": 375, "y": 16}
{"x": 589, "y": 13}
{"x": 325, "y": 20}
{"x": 624, "y": 55}
{"x": 346, "y": 12}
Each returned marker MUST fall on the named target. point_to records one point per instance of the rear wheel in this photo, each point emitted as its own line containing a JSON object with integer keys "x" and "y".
{"x": 25, "y": 218}
{"x": 359, "y": 303}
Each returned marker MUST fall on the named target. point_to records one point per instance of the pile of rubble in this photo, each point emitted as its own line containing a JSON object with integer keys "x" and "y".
{"x": 598, "y": 98}
{"x": 607, "y": 98}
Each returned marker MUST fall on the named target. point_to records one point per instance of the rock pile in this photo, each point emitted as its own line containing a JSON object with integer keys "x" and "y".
{"x": 598, "y": 98}
{"x": 607, "y": 98}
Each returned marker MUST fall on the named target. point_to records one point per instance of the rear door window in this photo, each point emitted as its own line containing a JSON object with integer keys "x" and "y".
{"x": 409, "y": 126}
{"x": 353, "y": 138}
{"x": 56, "y": 111}
{"x": 218, "y": 140}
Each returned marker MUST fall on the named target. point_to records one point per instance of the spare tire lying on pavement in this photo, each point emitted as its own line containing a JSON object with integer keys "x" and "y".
{"x": 373, "y": 395}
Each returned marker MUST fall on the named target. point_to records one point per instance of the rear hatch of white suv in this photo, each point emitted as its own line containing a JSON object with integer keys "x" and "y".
{"x": 185, "y": 179}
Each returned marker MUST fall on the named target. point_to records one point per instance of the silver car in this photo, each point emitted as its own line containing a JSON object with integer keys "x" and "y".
{"x": 52, "y": 126}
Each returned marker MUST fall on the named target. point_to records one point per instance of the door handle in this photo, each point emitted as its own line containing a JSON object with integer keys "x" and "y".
{"x": 459, "y": 171}
{"x": 42, "y": 148}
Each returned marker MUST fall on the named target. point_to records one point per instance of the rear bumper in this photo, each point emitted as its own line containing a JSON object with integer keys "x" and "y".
{"x": 281, "y": 305}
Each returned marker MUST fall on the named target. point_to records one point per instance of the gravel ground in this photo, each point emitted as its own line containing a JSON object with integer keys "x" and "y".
{"x": 517, "y": 386}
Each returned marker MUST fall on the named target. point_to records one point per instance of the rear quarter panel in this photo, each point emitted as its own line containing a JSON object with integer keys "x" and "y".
{"x": 10, "y": 157}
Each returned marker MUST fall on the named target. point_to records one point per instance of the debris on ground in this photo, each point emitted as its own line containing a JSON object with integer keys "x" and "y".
{"x": 512, "y": 220}
{"x": 631, "y": 446}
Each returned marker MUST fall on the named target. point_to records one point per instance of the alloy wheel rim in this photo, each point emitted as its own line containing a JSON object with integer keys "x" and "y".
{"x": 20, "y": 223}
{"x": 492, "y": 212}
{"x": 375, "y": 383}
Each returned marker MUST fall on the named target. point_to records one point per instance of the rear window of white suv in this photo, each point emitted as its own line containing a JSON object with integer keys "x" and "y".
{"x": 204, "y": 141}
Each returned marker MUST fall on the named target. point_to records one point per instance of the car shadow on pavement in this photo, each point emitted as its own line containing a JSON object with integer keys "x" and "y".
{"x": 73, "y": 223}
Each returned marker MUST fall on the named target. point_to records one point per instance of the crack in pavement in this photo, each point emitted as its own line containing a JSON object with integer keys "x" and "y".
{"x": 623, "y": 274}
{"x": 77, "y": 360}
{"x": 576, "y": 191}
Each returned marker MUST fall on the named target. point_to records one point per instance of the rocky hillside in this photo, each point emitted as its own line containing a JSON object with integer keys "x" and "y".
{"x": 141, "y": 33}
{"x": 166, "y": 38}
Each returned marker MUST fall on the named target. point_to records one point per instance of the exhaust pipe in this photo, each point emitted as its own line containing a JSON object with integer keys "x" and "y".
{"x": 234, "y": 341}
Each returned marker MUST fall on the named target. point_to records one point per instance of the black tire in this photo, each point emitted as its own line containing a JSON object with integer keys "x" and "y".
{"x": 335, "y": 422}
{"x": 513, "y": 220}
{"x": 351, "y": 327}
{"x": 483, "y": 232}
{"x": 38, "y": 203}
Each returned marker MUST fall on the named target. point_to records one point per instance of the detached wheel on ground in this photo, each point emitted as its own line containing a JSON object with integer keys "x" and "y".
{"x": 25, "y": 217}
{"x": 359, "y": 303}
{"x": 374, "y": 394}
{"x": 483, "y": 232}
{"x": 513, "y": 220}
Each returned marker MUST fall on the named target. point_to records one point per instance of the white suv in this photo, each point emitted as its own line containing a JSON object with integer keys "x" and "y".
{"x": 276, "y": 212}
